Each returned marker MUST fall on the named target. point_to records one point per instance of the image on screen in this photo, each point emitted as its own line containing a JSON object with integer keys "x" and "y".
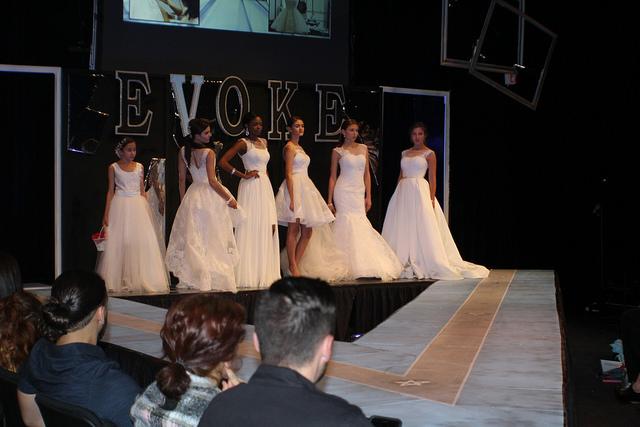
{"x": 307, "y": 18}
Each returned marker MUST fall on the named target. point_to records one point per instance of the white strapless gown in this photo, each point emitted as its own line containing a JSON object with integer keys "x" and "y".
{"x": 258, "y": 243}
{"x": 418, "y": 232}
{"x": 367, "y": 253}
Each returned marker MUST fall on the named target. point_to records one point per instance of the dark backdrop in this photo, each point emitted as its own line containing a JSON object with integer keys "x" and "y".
{"x": 27, "y": 173}
{"x": 526, "y": 186}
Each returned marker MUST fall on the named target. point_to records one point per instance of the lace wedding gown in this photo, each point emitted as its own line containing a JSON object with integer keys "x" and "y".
{"x": 202, "y": 250}
{"x": 367, "y": 253}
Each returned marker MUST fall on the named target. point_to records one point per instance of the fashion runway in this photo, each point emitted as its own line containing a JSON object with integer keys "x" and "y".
{"x": 468, "y": 352}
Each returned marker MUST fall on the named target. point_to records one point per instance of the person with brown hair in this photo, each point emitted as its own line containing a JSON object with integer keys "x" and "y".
{"x": 20, "y": 328}
{"x": 200, "y": 336}
{"x": 10, "y": 279}
{"x": 202, "y": 250}
{"x": 415, "y": 226}
{"x": 366, "y": 252}
{"x": 310, "y": 250}
{"x": 294, "y": 322}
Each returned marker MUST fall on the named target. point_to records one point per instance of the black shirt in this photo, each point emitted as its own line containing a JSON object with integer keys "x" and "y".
{"x": 277, "y": 396}
{"x": 80, "y": 374}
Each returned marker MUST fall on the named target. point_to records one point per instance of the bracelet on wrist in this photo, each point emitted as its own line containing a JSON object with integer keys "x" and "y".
{"x": 233, "y": 171}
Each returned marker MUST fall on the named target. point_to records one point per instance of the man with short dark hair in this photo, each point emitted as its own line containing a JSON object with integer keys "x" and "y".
{"x": 294, "y": 323}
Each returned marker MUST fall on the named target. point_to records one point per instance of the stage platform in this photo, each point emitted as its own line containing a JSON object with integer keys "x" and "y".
{"x": 361, "y": 304}
{"x": 461, "y": 353}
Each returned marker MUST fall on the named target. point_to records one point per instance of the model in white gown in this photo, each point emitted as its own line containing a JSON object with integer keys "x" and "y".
{"x": 202, "y": 250}
{"x": 303, "y": 210}
{"x": 366, "y": 252}
{"x": 290, "y": 20}
{"x": 417, "y": 229}
{"x": 133, "y": 259}
{"x": 257, "y": 237}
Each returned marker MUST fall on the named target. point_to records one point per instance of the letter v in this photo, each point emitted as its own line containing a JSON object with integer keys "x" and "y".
{"x": 177, "y": 80}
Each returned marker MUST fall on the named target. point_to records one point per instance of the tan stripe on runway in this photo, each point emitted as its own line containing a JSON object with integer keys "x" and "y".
{"x": 439, "y": 372}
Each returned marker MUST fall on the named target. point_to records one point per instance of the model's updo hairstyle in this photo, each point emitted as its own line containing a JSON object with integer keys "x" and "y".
{"x": 196, "y": 127}
{"x": 75, "y": 297}
{"x": 199, "y": 332}
{"x": 345, "y": 124}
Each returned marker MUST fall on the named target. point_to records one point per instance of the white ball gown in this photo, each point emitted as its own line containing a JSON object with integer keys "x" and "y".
{"x": 132, "y": 260}
{"x": 290, "y": 20}
{"x": 418, "y": 232}
{"x": 367, "y": 253}
{"x": 258, "y": 244}
{"x": 202, "y": 250}
{"x": 321, "y": 259}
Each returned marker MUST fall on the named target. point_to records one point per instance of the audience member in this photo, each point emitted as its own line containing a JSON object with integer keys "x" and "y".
{"x": 200, "y": 336}
{"x": 294, "y": 323}
{"x": 20, "y": 328}
{"x": 10, "y": 280}
{"x": 69, "y": 366}
{"x": 630, "y": 334}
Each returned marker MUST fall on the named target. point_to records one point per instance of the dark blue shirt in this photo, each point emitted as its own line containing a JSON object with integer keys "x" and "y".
{"x": 80, "y": 374}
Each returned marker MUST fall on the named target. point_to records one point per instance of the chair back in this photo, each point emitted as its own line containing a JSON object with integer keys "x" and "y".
{"x": 56, "y": 413}
{"x": 10, "y": 409}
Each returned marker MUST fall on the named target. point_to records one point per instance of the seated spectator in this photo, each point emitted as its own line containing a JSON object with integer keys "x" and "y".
{"x": 10, "y": 279}
{"x": 630, "y": 334}
{"x": 20, "y": 328}
{"x": 200, "y": 336}
{"x": 294, "y": 322}
{"x": 69, "y": 366}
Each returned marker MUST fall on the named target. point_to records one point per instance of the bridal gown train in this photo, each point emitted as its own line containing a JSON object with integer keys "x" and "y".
{"x": 257, "y": 237}
{"x": 322, "y": 259}
{"x": 366, "y": 251}
{"x": 202, "y": 250}
{"x": 418, "y": 231}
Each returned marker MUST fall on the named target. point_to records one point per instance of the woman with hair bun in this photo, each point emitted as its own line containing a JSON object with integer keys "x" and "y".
{"x": 133, "y": 257}
{"x": 200, "y": 336}
{"x": 69, "y": 366}
{"x": 202, "y": 250}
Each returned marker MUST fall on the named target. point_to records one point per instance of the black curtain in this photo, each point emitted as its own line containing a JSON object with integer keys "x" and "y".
{"x": 27, "y": 173}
